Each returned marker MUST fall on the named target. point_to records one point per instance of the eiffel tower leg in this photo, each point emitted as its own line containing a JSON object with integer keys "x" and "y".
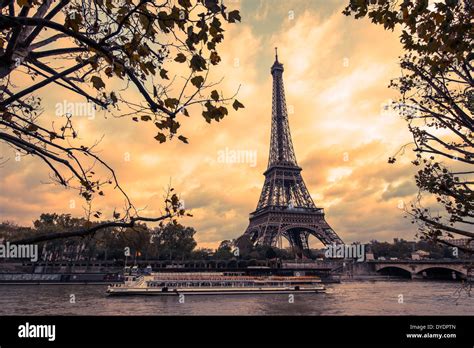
{"x": 304, "y": 242}
{"x": 268, "y": 236}
{"x": 303, "y": 238}
{"x": 326, "y": 235}
{"x": 299, "y": 243}
{"x": 252, "y": 234}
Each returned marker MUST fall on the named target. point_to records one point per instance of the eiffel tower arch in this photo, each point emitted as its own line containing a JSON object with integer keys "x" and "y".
{"x": 285, "y": 208}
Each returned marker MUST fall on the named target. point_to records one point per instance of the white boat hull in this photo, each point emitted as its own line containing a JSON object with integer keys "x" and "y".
{"x": 177, "y": 292}
{"x": 175, "y": 284}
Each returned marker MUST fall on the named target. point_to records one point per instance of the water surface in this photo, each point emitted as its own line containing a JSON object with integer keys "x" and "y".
{"x": 350, "y": 298}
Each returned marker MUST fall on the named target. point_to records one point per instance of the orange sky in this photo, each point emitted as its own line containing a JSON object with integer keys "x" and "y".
{"x": 336, "y": 74}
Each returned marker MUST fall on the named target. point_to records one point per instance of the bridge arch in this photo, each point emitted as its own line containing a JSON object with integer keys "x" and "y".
{"x": 442, "y": 272}
{"x": 459, "y": 269}
{"x": 395, "y": 270}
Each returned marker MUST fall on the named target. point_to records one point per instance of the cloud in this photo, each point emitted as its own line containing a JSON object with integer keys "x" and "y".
{"x": 407, "y": 188}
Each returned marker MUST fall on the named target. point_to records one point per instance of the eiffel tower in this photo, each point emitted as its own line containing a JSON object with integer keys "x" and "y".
{"x": 285, "y": 208}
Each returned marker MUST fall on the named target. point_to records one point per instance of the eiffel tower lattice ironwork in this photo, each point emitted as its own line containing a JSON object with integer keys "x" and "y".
{"x": 285, "y": 208}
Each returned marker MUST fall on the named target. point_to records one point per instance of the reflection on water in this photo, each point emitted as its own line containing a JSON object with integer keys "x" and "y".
{"x": 353, "y": 298}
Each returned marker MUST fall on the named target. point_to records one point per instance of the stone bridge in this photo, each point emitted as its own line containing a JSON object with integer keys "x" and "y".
{"x": 419, "y": 268}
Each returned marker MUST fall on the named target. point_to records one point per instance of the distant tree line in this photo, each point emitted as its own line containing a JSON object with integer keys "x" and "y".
{"x": 167, "y": 241}
{"x": 173, "y": 241}
{"x": 402, "y": 249}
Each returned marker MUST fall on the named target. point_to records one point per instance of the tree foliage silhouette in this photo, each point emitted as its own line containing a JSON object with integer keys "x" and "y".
{"x": 96, "y": 49}
{"x": 437, "y": 101}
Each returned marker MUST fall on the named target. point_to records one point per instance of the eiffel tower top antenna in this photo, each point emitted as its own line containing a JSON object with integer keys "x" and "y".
{"x": 276, "y": 54}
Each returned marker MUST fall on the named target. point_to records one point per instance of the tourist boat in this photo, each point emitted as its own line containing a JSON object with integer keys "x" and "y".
{"x": 166, "y": 284}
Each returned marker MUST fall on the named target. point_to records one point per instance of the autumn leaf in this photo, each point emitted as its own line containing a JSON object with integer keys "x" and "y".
{"x": 73, "y": 20}
{"x": 211, "y": 45}
{"x": 160, "y": 137}
{"x": 234, "y": 16}
{"x": 163, "y": 74}
{"x": 215, "y": 95}
{"x": 97, "y": 82}
{"x": 113, "y": 97}
{"x": 32, "y": 128}
{"x": 183, "y": 139}
{"x": 7, "y": 116}
{"x": 171, "y": 102}
{"x": 215, "y": 59}
{"x": 198, "y": 63}
{"x": 197, "y": 81}
{"x": 236, "y": 105}
{"x": 180, "y": 58}
{"x": 223, "y": 110}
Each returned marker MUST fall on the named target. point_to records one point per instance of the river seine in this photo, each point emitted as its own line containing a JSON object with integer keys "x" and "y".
{"x": 349, "y": 298}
